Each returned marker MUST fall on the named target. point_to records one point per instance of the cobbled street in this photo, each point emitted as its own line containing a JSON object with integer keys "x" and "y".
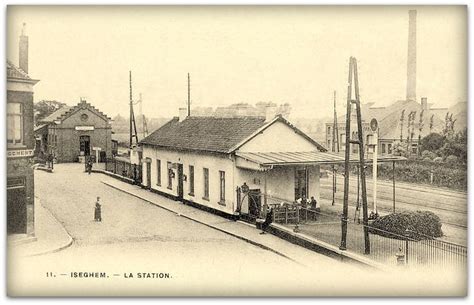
{"x": 146, "y": 238}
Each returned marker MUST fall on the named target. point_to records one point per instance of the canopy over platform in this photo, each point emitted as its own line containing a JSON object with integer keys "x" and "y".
{"x": 263, "y": 160}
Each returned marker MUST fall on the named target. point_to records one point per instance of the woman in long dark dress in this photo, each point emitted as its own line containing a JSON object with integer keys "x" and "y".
{"x": 98, "y": 211}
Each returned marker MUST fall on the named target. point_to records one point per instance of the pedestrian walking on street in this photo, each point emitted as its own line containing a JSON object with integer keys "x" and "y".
{"x": 89, "y": 166}
{"x": 268, "y": 221}
{"x": 98, "y": 210}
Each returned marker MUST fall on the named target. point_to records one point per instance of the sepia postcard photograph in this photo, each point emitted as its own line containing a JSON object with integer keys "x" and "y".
{"x": 236, "y": 151}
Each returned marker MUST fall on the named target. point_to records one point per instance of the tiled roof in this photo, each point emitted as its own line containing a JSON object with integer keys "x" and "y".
{"x": 205, "y": 133}
{"x": 213, "y": 134}
{"x": 15, "y": 72}
{"x": 56, "y": 115}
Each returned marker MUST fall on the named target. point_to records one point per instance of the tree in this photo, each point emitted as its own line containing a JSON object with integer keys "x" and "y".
{"x": 432, "y": 142}
{"x": 431, "y": 123}
{"x": 456, "y": 146}
{"x": 45, "y": 107}
{"x": 399, "y": 149}
{"x": 402, "y": 118}
{"x": 420, "y": 130}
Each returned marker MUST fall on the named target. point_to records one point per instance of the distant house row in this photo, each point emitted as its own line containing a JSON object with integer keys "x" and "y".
{"x": 393, "y": 122}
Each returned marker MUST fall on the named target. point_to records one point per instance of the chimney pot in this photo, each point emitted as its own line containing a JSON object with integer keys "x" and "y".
{"x": 23, "y": 58}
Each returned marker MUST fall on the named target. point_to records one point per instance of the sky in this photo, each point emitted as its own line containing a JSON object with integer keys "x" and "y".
{"x": 297, "y": 55}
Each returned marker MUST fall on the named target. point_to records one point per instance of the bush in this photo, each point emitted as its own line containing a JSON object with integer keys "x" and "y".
{"x": 452, "y": 159}
{"x": 428, "y": 154}
{"x": 432, "y": 142}
{"x": 420, "y": 225}
{"x": 399, "y": 149}
{"x": 426, "y": 159}
{"x": 438, "y": 159}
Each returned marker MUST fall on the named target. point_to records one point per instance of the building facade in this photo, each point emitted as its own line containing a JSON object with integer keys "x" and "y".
{"x": 20, "y": 145}
{"x": 73, "y": 133}
{"x": 207, "y": 160}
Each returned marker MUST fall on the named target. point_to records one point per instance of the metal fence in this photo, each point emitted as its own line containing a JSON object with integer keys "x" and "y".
{"x": 413, "y": 249}
{"x": 124, "y": 168}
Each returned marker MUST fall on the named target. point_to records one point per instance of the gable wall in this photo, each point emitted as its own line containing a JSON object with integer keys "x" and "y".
{"x": 278, "y": 137}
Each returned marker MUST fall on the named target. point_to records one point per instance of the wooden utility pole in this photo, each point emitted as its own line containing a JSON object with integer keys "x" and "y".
{"x": 133, "y": 124}
{"x": 360, "y": 142}
{"x": 189, "y": 95}
{"x": 335, "y": 131}
{"x": 335, "y": 148}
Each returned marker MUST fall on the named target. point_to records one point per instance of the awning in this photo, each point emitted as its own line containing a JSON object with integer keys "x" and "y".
{"x": 269, "y": 159}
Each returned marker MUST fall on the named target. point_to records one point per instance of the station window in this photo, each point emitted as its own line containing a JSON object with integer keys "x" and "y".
{"x": 206, "y": 183}
{"x": 191, "y": 180}
{"x": 158, "y": 172}
{"x": 222, "y": 187}
{"x": 383, "y": 149}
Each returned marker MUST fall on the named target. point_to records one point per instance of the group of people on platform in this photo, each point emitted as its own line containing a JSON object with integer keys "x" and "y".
{"x": 308, "y": 203}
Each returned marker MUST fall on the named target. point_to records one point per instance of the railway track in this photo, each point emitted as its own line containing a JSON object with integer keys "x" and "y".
{"x": 448, "y": 209}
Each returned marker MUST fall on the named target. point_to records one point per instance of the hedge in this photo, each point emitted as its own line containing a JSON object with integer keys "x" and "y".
{"x": 451, "y": 175}
{"x": 420, "y": 225}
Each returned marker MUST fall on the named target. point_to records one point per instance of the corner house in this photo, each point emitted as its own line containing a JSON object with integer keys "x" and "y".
{"x": 206, "y": 160}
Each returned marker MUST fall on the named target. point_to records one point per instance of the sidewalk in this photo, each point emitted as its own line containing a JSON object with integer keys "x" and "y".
{"x": 49, "y": 233}
{"x": 238, "y": 229}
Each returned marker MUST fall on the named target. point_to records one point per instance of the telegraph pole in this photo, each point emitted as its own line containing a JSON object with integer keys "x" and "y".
{"x": 133, "y": 124}
{"x": 335, "y": 148}
{"x": 360, "y": 142}
{"x": 335, "y": 128}
{"x": 131, "y": 109}
{"x": 189, "y": 95}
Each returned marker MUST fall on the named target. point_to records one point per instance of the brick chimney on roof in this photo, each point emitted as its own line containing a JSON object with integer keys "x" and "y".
{"x": 23, "y": 58}
{"x": 411, "y": 58}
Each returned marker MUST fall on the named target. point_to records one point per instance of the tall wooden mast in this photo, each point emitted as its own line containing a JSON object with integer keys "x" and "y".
{"x": 133, "y": 125}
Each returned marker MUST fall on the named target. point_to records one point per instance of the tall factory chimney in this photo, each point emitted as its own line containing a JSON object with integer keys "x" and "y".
{"x": 23, "y": 58}
{"x": 411, "y": 59}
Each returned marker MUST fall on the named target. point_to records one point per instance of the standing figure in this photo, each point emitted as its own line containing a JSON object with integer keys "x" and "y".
{"x": 89, "y": 166}
{"x": 98, "y": 210}
{"x": 304, "y": 202}
{"x": 268, "y": 221}
{"x": 314, "y": 207}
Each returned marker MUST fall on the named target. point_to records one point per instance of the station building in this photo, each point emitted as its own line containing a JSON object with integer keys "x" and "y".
{"x": 205, "y": 160}
{"x": 72, "y": 134}
{"x": 20, "y": 145}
